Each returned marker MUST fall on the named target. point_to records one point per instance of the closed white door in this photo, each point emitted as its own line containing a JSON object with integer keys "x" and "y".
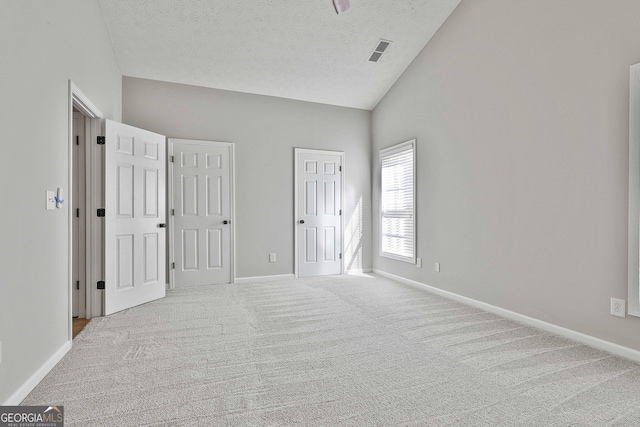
{"x": 135, "y": 219}
{"x": 319, "y": 212}
{"x": 201, "y": 212}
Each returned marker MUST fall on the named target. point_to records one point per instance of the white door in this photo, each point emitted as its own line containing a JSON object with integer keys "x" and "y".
{"x": 201, "y": 211}
{"x": 135, "y": 203}
{"x": 319, "y": 212}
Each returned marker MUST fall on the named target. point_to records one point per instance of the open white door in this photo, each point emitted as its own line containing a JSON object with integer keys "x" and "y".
{"x": 135, "y": 224}
{"x": 318, "y": 212}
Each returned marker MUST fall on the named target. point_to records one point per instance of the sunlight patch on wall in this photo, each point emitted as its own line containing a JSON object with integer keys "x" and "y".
{"x": 353, "y": 241}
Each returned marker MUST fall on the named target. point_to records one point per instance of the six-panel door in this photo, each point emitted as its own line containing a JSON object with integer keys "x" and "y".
{"x": 135, "y": 221}
{"x": 319, "y": 198}
{"x": 202, "y": 212}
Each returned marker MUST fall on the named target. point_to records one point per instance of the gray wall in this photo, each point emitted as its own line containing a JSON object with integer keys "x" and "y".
{"x": 520, "y": 109}
{"x": 42, "y": 45}
{"x": 265, "y": 131}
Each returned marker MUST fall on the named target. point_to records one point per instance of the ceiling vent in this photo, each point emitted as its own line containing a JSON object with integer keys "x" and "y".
{"x": 379, "y": 50}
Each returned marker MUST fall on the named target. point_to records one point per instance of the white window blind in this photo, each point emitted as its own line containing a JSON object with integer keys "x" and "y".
{"x": 397, "y": 200}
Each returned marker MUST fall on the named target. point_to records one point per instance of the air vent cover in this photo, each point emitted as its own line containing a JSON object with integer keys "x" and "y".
{"x": 375, "y": 56}
{"x": 380, "y": 48}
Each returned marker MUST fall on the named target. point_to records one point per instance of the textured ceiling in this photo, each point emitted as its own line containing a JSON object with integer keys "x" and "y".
{"x": 298, "y": 49}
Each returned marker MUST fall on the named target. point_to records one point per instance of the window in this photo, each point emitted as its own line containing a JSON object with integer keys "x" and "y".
{"x": 397, "y": 202}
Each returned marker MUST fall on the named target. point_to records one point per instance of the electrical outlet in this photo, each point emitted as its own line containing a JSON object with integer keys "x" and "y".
{"x": 419, "y": 262}
{"x": 618, "y": 307}
{"x": 272, "y": 257}
{"x": 437, "y": 267}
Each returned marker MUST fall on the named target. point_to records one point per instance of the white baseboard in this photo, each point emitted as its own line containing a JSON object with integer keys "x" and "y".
{"x": 26, "y": 388}
{"x": 242, "y": 280}
{"x": 356, "y": 271}
{"x": 618, "y": 350}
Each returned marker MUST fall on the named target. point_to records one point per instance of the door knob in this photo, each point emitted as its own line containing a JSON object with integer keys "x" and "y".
{"x": 225, "y": 222}
{"x": 162, "y": 225}
{"x": 302, "y": 221}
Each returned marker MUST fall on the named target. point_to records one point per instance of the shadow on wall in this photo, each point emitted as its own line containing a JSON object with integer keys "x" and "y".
{"x": 353, "y": 237}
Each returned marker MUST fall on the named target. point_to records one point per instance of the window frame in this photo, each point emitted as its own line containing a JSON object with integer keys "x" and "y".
{"x": 633, "y": 295}
{"x": 384, "y": 153}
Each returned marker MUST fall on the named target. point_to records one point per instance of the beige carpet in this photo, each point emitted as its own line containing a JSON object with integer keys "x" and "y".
{"x": 331, "y": 351}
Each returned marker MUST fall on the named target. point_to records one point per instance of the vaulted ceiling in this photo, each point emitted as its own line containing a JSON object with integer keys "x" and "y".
{"x": 298, "y": 49}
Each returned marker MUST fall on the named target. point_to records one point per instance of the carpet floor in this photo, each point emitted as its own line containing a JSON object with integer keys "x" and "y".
{"x": 330, "y": 351}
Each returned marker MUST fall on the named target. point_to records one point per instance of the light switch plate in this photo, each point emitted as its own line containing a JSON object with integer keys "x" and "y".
{"x": 51, "y": 200}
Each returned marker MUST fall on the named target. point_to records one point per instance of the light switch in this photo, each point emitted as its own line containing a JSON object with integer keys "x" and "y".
{"x": 51, "y": 200}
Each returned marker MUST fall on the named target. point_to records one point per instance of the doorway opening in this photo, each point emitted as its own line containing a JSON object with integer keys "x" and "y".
{"x": 85, "y": 191}
{"x": 78, "y": 231}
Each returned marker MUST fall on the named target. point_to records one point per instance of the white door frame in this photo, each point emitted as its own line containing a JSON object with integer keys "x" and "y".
{"x": 634, "y": 192}
{"x": 170, "y": 206}
{"x": 93, "y": 125}
{"x": 297, "y": 152}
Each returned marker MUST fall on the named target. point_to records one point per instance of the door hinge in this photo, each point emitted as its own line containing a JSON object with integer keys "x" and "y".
{"x": 78, "y": 285}
{"x": 173, "y": 265}
{"x": 340, "y": 256}
{"x": 101, "y": 213}
{"x": 340, "y": 211}
{"x": 101, "y": 140}
{"x": 173, "y": 212}
{"x": 78, "y": 213}
{"x": 171, "y": 159}
{"x": 77, "y": 139}
{"x": 101, "y": 284}
{"x": 340, "y": 168}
